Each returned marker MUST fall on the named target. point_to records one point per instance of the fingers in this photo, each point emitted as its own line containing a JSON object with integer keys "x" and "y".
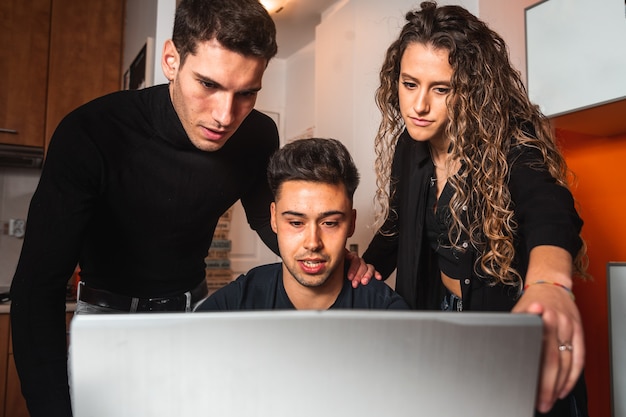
{"x": 354, "y": 266}
{"x": 550, "y": 364}
{"x": 560, "y": 366}
{"x": 564, "y": 336}
{"x": 577, "y": 354}
{"x": 563, "y": 358}
{"x": 377, "y": 274}
{"x": 365, "y": 271}
{"x": 533, "y": 308}
{"x": 359, "y": 272}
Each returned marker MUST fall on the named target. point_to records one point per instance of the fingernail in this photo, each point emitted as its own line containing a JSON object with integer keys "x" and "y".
{"x": 544, "y": 407}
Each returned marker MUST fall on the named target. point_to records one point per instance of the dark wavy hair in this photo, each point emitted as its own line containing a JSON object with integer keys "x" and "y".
{"x": 242, "y": 26}
{"x": 319, "y": 160}
{"x": 489, "y": 113}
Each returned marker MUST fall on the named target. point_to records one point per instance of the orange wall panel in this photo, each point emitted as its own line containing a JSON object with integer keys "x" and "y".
{"x": 599, "y": 165}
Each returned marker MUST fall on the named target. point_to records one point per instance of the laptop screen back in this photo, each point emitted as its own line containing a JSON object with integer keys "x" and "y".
{"x": 305, "y": 363}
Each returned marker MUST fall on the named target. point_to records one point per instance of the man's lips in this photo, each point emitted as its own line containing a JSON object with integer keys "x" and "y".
{"x": 312, "y": 266}
{"x": 213, "y": 134}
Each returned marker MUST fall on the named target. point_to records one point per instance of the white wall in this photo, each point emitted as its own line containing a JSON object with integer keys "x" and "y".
{"x": 139, "y": 23}
{"x": 300, "y": 93}
{"x": 576, "y": 54}
{"x": 507, "y": 18}
{"x": 148, "y": 18}
{"x": 271, "y": 98}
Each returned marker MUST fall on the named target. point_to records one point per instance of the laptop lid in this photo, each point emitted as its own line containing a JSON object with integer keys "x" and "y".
{"x": 305, "y": 363}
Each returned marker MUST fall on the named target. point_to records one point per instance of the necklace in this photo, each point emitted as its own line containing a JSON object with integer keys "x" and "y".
{"x": 435, "y": 179}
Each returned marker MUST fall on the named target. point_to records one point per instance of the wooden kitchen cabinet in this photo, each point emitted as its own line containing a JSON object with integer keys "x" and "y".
{"x": 12, "y": 404}
{"x": 55, "y": 55}
{"x": 24, "y": 43}
{"x": 86, "y": 41}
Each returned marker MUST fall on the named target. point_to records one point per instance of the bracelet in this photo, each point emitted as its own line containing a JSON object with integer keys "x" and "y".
{"x": 569, "y": 290}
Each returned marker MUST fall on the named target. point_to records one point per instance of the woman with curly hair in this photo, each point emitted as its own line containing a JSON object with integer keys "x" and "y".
{"x": 474, "y": 207}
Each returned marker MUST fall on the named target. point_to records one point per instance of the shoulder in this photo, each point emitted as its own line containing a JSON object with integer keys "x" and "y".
{"x": 124, "y": 98}
{"x": 258, "y": 127}
{"x": 247, "y": 291}
{"x": 378, "y": 295}
{"x": 262, "y": 273}
{"x": 525, "y": 150}
{"x": 261, "y": 277}
{"x": 409, "y": 152}
{"x": 254, "y": 141}
{"x": 117, "y": 108}
{"x": 260, "y": 120}
{"x": 107, "y": 121}
{"x": 376, "y": 287}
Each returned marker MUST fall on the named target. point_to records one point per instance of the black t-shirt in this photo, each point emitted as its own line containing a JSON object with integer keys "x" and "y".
{"x": 262, "y": 289}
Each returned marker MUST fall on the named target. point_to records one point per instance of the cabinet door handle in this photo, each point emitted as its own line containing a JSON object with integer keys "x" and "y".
{"x": 12, "y": 131}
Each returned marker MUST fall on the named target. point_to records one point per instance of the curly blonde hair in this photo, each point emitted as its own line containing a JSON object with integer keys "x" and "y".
{"x": 487, "y": 109}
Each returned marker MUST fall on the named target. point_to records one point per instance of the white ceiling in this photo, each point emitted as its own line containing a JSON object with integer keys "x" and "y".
{"x": 295, "y": 24}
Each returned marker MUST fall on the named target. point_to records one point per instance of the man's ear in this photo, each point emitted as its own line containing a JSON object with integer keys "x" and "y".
{"x": 352, "y": 223}
{"x": 170, "y": 60}
{"x": 273, "y": 216}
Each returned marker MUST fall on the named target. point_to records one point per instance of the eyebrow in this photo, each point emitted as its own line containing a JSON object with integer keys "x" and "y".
{"x": 446, "y": 82}
{"x": 209, "y": 80}
{"x": 322, "y": 215}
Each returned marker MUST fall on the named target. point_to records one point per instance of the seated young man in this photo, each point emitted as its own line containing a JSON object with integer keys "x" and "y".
{"x": 313, "y": 182}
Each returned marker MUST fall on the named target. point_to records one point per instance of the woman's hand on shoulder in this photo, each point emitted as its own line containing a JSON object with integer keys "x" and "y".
{"x": 359, "y": 272}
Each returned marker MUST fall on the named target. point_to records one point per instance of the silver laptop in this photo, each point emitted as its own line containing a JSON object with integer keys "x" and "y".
{"x": 305, "y": 363}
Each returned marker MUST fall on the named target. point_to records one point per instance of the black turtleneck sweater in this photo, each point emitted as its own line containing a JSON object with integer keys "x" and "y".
{"x": 125, "y": 193}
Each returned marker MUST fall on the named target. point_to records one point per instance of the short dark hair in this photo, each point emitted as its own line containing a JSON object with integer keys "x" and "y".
{"x": 318, "y": 160}
{"x": 242, "y": 26}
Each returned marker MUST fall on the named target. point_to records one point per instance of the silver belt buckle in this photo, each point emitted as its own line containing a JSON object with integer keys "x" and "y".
{"x": 188, "y": 301}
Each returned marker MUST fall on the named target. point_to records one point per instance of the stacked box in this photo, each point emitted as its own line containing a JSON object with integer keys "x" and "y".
{"x": 218, "y": 271}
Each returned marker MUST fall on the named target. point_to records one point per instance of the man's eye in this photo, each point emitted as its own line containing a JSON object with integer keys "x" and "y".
{"x": 246, "y": 94}
{"x": 207, "y": 84}
{"x": 331, "y": 224}
{"x": 295, "y": 224}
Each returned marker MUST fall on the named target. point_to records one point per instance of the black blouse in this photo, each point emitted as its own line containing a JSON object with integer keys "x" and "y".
{"x": 544, "y": 212}
{"x": 455, "y": 263}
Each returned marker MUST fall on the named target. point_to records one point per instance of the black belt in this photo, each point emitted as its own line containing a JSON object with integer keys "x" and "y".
{"x": 103, "y": 298}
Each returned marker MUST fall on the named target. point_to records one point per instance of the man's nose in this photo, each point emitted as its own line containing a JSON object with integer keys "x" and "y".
{"x": 312, "y": 240}
{"x": 224, "y": 109}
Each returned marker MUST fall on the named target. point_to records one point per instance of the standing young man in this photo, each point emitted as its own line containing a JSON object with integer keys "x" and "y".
{"x": 134, "y": 184}
{"x": 313, "y": 182}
